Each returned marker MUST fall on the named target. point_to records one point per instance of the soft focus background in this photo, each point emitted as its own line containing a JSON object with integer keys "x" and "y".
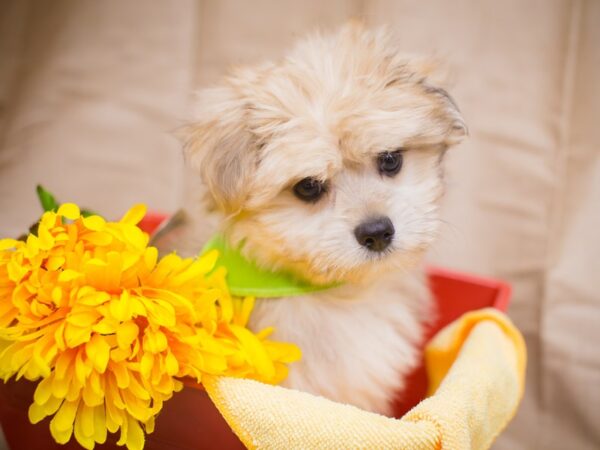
{"x": 90, "y": 91}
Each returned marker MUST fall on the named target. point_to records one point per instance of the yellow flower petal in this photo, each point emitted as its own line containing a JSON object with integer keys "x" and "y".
{"x": 136, "y": 388}
{"x": 134, "y": 215}
{"x": 282, "y": 351}
{"x": 52, "y": 405}
{"x": 120, "y": 355}
{"x": 90, "y": 397}
{"x": 99, "y": 425}
{"x": 84, "y": 427}
{"x": 82, "y": 370}
{"x": 97, "y": 382}
{"x": 60, "y": 386}
{"x": 86, "y": 415}
{"x": 150, "y": 257}
{"x": 69, "y": 210}
{"x": 46, "y": 240}
{"x": 200, "y": 267}
{"x": 171, "y": 364}
{"x": 36, "y": 413}
{"x": 59, "y": 337}
{"x": 94, "y": 223}
{"x": 208, "y": 260}
{"x": 121, "y": 375}
{"x": 106, "y": 325}
{"x": 146, "y": 365}
{"x": 56, "y": 295}
{"x": 113, "y": 416}
{"x": 214, "y": 364}
{"x": 75, "y": 335}
{"x": 55, "y": 262}
{"x": 94, "y": 298}
{"x": 123, "y": 439}
{"x": 114, "y": 393}
{"x": 161, "y": 312}
{"x": 135, "y": 435}
{"x": 242, "y": 317}
{"x": 281, "y": 373}
{"x": 120, "y": 308}
{"x": 98, "y": 351}
{"x": 6, "y": 244}
{"x": 166, "y": 385}
{"x": 60, "y": 436}
{"x": 75, "y": 388}
{"x": 97, "y": 238}
{"x": 83, "y": 317}
{"x": 177, "y": 386}
{"x": 149, "y": 425}
{"x": 226, "y": 308}
{"x": 15, "y": 271}
{"x": 255, "y": 351}
{"x": 265, "y": 333}
{"x": 135, "y": 406}
{"x": 63, "y": 363}
{"x": 68, "y": 275}
{"x": 135, "y": 237}
{"x": 43, "y": 391}
{"x": 126, "y": 334}
{"x": 155, "y": 341}
{"x": 65, "y": 416}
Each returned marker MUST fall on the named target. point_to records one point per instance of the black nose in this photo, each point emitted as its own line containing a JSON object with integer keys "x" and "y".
{"x": 375, "y": 234}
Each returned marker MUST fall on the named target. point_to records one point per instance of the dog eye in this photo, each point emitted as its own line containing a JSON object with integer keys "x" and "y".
{"x": 389, "y": 163}
{"x": 309, "y": 189}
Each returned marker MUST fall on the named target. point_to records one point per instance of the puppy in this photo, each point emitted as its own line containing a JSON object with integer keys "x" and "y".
{"x": 327, "y": 165}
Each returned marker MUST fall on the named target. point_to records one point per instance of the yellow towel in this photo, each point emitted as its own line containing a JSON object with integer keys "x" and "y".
{"x": 476, "y": 365}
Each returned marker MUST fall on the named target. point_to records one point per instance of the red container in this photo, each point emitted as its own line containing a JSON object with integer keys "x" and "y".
{"x": 151, "y": 221}
{"x": 455, "y": 294}
{"x": 190, "y": 421}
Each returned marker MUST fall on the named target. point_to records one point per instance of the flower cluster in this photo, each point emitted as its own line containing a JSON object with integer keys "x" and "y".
{"x": 88, "y": 308}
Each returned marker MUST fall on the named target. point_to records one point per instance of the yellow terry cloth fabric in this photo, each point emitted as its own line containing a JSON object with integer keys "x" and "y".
{"x": 476, "y": 366}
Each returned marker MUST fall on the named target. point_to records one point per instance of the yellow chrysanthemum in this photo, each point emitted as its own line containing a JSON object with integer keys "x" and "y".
{"x": 87, "y": 307}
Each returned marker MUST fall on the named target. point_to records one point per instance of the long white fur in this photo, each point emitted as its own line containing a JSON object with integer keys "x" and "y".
{"x": 326, "y": 111}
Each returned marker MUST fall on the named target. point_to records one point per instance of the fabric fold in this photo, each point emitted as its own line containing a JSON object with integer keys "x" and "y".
{"x": 477, "y": 365}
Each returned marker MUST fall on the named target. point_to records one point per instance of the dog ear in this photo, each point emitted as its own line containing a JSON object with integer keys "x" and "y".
{"x": 456, "y": 127}
{"x": 430, "y": 73}
{"x": 433, "y": 73}
{"x": 220, "y": 147}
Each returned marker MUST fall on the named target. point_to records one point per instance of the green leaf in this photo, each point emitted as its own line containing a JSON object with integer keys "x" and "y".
{"x": 49, "y": 203}
{"x": 88, "y": 213}
{"x": 47, "y": 200}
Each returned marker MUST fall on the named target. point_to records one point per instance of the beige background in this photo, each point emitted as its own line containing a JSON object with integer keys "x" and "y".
{"x": 90, "y": 90}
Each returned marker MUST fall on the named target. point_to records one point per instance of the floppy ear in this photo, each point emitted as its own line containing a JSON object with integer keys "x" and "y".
{"x": 428, "y": 73}
{"x": 220, "y": 147}
{"x": 456, "y": 126}
{"x": 434, "y": 73}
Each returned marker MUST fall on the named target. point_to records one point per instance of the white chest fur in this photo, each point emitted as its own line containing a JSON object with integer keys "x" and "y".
{"x": 358, "y": 342}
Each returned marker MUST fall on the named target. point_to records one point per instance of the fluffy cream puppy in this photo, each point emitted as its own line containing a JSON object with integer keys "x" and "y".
{"x": 327, "y": 165}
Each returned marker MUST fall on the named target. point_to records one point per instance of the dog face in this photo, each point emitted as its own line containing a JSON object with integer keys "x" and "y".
{"x": 328, "y": 163}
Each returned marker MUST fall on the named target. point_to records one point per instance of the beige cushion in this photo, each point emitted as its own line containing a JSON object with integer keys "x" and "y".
{"x": 95, "y": 89}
